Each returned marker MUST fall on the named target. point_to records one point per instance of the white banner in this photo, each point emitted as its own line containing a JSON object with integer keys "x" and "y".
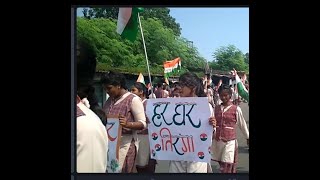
{"x": 114, "y": 136}
{"x": 179, "y": 129}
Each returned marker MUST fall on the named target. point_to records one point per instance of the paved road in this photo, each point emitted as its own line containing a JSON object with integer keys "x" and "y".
{"x": 243, "y": 165}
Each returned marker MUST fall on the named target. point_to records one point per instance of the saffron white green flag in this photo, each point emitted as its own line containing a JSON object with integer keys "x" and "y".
{"x": 128, "y": 24}
{"x": 166, "y": 81}
{"x": 141, "y": 79}
{"x": 242, "y": 91}
{"x": 171, "y": 66}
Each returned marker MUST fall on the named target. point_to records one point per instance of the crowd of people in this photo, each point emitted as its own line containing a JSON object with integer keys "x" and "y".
{"x": 130, "y": 105}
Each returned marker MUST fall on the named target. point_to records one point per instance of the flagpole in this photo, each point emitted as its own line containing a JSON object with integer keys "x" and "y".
{"x": 145, "y": 53}
{"x": 205, "y": 69}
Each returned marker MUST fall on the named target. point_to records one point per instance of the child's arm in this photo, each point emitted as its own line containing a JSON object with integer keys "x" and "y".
{"x": 211, "y": 121}
{"x": 242, "y": 123}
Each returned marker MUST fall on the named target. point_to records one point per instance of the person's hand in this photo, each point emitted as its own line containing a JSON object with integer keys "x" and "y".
{"x": 213, "y": 121}
{"x": 234, "y": 72}
{"x": 248, "y": 142}
{"x": 123, "y": 121}
{"x": 147, "y": 120}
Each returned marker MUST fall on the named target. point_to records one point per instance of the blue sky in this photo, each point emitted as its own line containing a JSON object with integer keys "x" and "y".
{"x": 211, "y": 28}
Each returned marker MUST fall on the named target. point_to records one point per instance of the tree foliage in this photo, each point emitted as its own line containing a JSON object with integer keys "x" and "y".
{"x": 229, "y": 57}
{"x": 246, "y": 58}
{"x": 161, "y": 43}
{"x": 109, "y": 12}
{"x": 163, "y": 14}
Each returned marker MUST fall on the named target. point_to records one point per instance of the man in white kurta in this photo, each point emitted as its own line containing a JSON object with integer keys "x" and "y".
{"x": 92, "y": 141}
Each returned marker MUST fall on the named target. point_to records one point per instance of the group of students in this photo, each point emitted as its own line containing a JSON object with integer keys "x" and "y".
{"x": 129, "y": 104}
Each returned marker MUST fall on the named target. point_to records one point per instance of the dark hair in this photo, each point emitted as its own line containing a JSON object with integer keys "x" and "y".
{"x": 86, "y": 62}
{"x": 114, "y": 78}
{"x": 175, "y": 84}
{"x": 141, "y": 87}
{"x": 84, "y": 90}
{"x": 86, "y": 68}
{"x": 175, "y": 90}
{"x": 164, "y": 86}
{"x": 225, "y": 87}
{"x": 192, "y": 80}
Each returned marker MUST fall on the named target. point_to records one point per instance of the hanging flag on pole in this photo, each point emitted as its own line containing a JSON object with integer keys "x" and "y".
{"x": 171, "y": 66}
{"x": 166, "y": 81}
{"x": 128, "y": 25}
{"x": 141, "y": 79}
{"x": 242, "y": 91}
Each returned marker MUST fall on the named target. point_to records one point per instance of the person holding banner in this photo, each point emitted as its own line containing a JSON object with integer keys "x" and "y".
{"x": 129, "y": 108}
{"x": 224, "y": 145}
{"x": 143, "y": 162}
{"x": 191, "y": 86}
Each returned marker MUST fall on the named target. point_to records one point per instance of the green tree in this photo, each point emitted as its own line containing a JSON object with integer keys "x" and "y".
{"x": 214, "y": 65}
{"x": 116, "y": 52}
{"x": 110, "y": 12}
{"x": 229, "y": 57}
{"x": 246, "y": 58}
{"x": 110, "y": 48}
{"x": 163, "y": 14}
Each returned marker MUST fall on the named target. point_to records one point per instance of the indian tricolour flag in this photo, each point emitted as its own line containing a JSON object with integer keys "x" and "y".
{"x": 127, "y": 25}
{"x": 171, "y": 66}
{"x": 242, "y": 91}
{"x": 141, "y": 79}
